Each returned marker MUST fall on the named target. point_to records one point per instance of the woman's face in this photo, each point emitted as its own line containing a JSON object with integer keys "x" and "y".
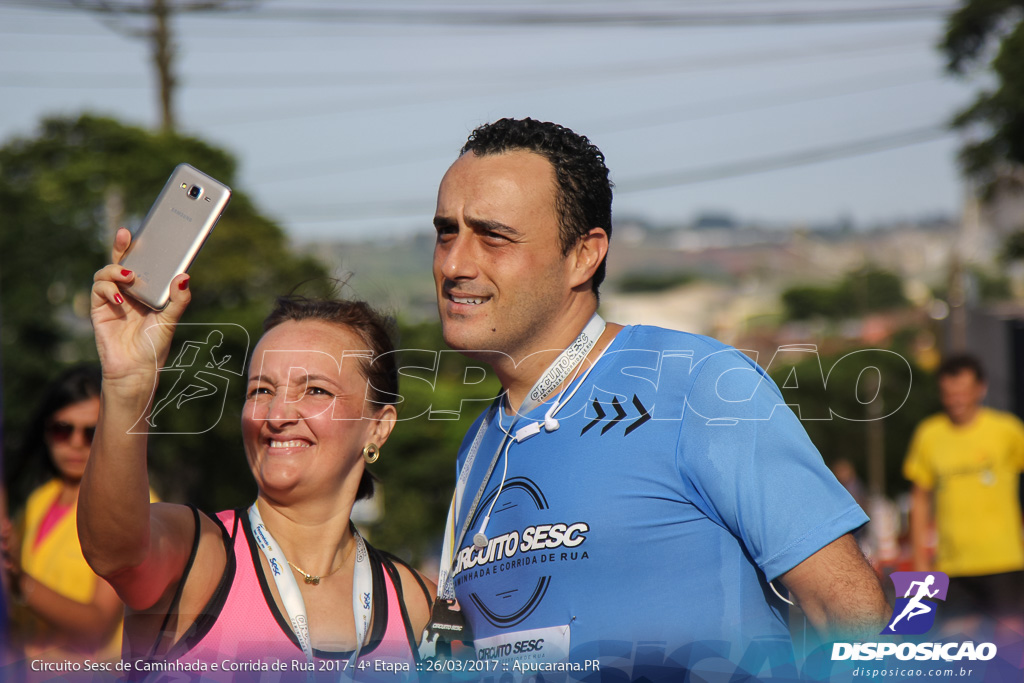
{"x": 306, "y": 419}
{"x": 69, "y": 437}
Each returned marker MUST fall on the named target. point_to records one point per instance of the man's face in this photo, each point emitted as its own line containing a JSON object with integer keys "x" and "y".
{"x": 961, "y": 394}
{"x": 498, "y": 266}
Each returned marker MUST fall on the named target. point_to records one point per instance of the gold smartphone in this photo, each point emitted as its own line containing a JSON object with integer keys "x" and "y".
{"x": 173, "y": 232}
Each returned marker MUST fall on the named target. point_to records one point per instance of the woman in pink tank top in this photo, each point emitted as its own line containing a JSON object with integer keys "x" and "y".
{"x": 285, "y": 589}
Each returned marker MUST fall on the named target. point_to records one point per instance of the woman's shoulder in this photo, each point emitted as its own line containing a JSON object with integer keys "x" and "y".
{"x": 44, "y": 493}
{"x": 192, "y": 555}
{"x": 417, "y": 591}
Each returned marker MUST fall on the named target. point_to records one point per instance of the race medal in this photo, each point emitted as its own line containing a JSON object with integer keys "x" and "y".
{"x": 447, "y": 624}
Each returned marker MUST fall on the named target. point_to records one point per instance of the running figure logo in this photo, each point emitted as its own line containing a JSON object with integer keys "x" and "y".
{"x": 196, "y": 385}
{"x": 914, "y": 613}
{"x": 201, "y": 374}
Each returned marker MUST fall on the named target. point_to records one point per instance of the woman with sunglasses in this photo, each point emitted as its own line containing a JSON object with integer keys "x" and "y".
{"x": 287, "y": 581}
{"x": 63, "y": 611}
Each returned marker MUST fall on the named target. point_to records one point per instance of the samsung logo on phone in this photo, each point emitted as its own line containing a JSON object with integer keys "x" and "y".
{"x": 182, "y": 214}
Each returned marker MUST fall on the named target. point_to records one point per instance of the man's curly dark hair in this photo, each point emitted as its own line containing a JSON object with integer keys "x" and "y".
{"x": 961, "y": 362}
{"x": 584, "y": 197}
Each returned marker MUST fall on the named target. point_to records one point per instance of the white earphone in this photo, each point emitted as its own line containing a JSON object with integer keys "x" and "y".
{"x": 549, "y": 424}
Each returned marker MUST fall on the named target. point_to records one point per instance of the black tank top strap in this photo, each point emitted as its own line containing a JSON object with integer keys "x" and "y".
{"x": 181, "y": 584}
{"x": 208, "y": 615}
{"x": 415, "y": 574}
{"x": 388, "y": 562}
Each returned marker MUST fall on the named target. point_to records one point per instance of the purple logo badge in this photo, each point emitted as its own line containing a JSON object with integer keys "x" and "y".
{"x": 914, "y": 612}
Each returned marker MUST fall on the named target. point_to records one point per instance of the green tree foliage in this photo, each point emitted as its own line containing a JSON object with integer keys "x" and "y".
{"x": 60, "y": 189}
{"x": 417, "y": 466}
{"x": 982, "y": 285}
{"x": 861, "y": 291}
{"x": 832, "y": 396}
{"x": 57, "y": 188}
{"x": 804, "y": 302}
{"x": 653, "y": 282}
{"x": 991, "y": 285}
{"x": 990, "y": 32}
{"x": 1013, "y": 247}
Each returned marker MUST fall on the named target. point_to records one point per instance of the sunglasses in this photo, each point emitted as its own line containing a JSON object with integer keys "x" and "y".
{"x": 60, "y": 432}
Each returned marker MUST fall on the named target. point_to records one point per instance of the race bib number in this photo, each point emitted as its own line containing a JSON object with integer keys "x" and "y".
{"x": 550, "y": 644}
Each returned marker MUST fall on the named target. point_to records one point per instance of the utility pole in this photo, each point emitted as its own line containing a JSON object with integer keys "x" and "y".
{"x": 957, "y": 341}
{"x": 875, "y": 432}
{"x": 163, "y": 58}
{"x": 159, "y": 34}
{"x": 964, "y": 252}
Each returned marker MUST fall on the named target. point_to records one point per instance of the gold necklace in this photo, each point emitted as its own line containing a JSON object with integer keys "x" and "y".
{"x": 310, "y": 578}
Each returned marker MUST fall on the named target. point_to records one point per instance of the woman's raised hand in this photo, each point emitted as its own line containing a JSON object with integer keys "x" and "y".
{"x": 133, "y": 340}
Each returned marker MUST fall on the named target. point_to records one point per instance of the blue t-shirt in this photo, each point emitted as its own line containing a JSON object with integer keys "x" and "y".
{"x": 644, "y": 530}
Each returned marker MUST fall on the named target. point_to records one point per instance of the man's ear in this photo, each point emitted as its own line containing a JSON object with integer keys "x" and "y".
{"x": 587, "y": 255}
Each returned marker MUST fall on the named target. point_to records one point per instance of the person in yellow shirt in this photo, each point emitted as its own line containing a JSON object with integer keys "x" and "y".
{"x": 62, "y": 610}
{"x": 965, "y": 466}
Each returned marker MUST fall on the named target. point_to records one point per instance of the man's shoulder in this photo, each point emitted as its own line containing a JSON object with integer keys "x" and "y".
{"x": 990, "y": 418}
{"x": 664, "y": 339}
{"x": 700, "y": 367}
{"x": 1002, "y": 419}
{"x": 997, "y": 414}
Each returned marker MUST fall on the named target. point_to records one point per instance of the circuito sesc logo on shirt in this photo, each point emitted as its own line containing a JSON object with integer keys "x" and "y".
{"x": 542, "y": 544}
{"x": 914, "y": 612}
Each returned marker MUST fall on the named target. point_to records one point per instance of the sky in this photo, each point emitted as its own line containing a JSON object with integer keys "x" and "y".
{"x": 344, "y": 116}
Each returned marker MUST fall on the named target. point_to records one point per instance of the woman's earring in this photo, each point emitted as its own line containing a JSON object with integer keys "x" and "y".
{"x": 371, "y": 452}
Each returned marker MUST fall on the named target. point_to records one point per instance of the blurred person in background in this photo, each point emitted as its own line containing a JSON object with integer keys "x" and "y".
{"x": 8, "y": 653}
{"x": 846, "y": 475}
{"x": 965, "y": 466}
{"x": 61, "y": 609}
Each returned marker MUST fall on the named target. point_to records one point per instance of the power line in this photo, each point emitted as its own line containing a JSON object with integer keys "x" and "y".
{"x": 749, "y": 103}
{"x": 638, "y": 120}
{"x": 537, "y": 16}
{"x": 530, "y": 84}
{"x": 845, "y": 150}
{"x": 603, "y": 72}
{"x": 73, "y": 81}
{"x": 655, "y": 20}
{"x": 656, "y": 181}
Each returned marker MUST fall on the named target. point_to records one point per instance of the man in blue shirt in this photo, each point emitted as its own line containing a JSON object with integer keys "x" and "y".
{"x": 639, "y": 497}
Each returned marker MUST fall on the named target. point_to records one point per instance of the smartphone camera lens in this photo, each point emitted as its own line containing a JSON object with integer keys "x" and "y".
{"x": 194, "y": 192}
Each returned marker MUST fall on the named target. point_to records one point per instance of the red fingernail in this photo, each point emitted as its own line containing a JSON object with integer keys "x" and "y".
{"x": 125, "y": 272}
{"x": 118, "y": 299}
{"x": 183, "y": 285}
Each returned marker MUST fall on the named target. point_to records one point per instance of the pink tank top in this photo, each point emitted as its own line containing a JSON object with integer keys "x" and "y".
{"x": 252, "y": 638}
